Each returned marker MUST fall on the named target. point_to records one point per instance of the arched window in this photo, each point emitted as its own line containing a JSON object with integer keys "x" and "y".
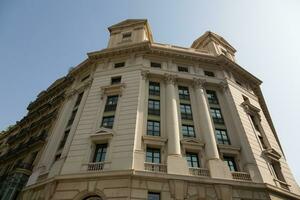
{"x": 93, "y": 197}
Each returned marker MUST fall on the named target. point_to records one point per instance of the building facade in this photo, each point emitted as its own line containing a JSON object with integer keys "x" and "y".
{"x": 143, "y": 120}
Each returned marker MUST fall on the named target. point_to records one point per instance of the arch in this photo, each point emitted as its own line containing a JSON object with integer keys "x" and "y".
{"x": 93, "y": 197}
{"x": 87, "y": 195}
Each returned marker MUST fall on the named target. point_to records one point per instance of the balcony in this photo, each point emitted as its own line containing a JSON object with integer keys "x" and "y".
{"x": 199, "y": 171}
{"x": 244, "y": 176}
{"x": 156, "y": 167}
{"x": 96, "y": 166}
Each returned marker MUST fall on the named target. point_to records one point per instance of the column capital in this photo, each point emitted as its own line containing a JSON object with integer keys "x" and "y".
{"x": 145, "y": 74}
{"x": 199, "y": 83}
{"x": 224, "y": 86}
{"x": 170, "y": 78}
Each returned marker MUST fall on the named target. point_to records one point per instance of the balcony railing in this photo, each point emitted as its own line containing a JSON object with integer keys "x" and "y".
{"x": 199, "y": 171}
{"x": 244, "y": 176}
{"x": 156, "y": 167}
{"x": 96, "y": 166}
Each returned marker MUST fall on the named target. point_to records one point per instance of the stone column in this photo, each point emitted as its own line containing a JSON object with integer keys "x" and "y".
{"x": 216, "y": 166}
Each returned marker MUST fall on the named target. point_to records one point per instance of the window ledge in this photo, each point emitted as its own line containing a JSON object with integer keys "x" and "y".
{"x": 229, "y": 149}
{"x": 154, "y": 140}
{"x": 112, "y": 89}
{"x": 272, "y": 154}
{"x": 102, "y": 134}
{"x": 192, "y": 143}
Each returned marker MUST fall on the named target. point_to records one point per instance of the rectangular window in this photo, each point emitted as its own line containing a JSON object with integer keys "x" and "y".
{"x": 70, "y": 122}
{"x": 216, "y": 115}
{"x": 153, "y": 155}
{"x": 183, "y": 69}
{"x": 222, "y": 136}
{"x": 120, "y": 64}
{"x": 116, "y": 80}
{"x": 186, "y": 111}
{"x": 111, "y": 103}
{"x": 192, "y": 160}
{"x": 64, "y": 139}
{"x": 230, "y": 161}
{"x": 78, "y": 100}
{"x": 127, "y": 35}
{"x": 153, "y": 128}
{"x": 209, "y": 73}
{"x": 108, "y": 122}
{"x": 100, "y": 153}
{"x": 153, "y": 196}
{"x": 153, "y": 107}
{"x": 155, "y": 65}
{"x": 154, "y": 88}
{"x": 183, "y": 93}
{"x": 188, "y": 130}
{"x": 212, "y": 97}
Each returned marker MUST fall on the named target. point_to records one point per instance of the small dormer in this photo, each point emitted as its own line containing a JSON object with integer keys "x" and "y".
{"x": 128, "y": 32}
{"x": 215, "y": 44}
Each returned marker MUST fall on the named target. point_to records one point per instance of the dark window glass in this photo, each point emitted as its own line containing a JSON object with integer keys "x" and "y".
{"x": 212, "y": 97}
{"x": 188, "y": 130}
{"x": 183, "y": 92}
{"x": 64, "y": 139}
{"x": 153, "y": 107}
{"x": 153, "y": 128}
{"x": 230, "y": 161}
{"x": 116, "y": 80}
{"x": 78, "y": 100}
{"x": 192, "y": 159}
{"x": 70, "y": 122}
{"x": 153, "y": 155}
{"x": 120, "y": 64}
{"x": 154, "y": 88}
{"x": 222, "y": 136}
{"x": 153, "y": 196}
{"x": 209, "y": 73}
{"x": 183, "y": 69}
{"x": 111, "y": 103}
{"x": 126, "y": 35}
{"x": 108, "y": 122}
{"x": 186, "y": 111}
{"x": 100, "y": 153}
{"x": 155, "y": 65}
{"x": 216, "y": 115}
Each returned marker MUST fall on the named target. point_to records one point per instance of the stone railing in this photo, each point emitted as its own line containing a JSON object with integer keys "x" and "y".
{"x": 156, "y": 167}
{"x": 199, "y": 171}
{"x": 244, "y": 176}
{"x": 96, "y": 166}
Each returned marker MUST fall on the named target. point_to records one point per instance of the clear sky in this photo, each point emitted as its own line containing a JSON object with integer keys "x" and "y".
{"x": 40, "y": 40}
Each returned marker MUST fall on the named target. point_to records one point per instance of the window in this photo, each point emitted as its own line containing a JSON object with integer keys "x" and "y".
{"x": 120, "y": 64}
{"x": 155, "y": 65}
{"x": 108, "y": 122}
{"x": 153, "y": 107}
{"x": 70, "y": 122}
{"x": 188, "y": 130}
{"x": 183, "y": 93}
{"x": 116, "y": 80}
{"x": 186, "y": 111}
{"x": 153, "y": 196}
{"x": 212, "y": 97}
{"x": 192, "y": 159}
{"x": 230, "y": 161}
{"x": 154, "y": 88}
{"x": 258, "y": 132}
{"x": 216, "y": 115}
{"x": 64, "y": 139}
{"x": 111, "y": 103}
{"x": 78, "y": 100}
{"x": 209, "y": 73}
{"x": 153, "y": 155}
{"x": 100, "y": 153}
{"x": 222, "y": 136}
{"x": 127, "y": 35}
{"x": 153, "y": 128}
{"x": 276, "y": 171}
{"x": 183, "y": 69}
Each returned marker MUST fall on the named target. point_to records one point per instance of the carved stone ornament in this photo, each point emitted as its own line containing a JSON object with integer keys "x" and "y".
{"x": 224, "y": 86}
{"x": 145, "y": 74}
{"x": 199, "y": 83}
{"x": 170, "y": 78}
{"x": 112, "y": 90}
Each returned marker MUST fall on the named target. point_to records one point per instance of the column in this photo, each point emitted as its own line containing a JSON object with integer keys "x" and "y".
{"x": 216, "y": 166}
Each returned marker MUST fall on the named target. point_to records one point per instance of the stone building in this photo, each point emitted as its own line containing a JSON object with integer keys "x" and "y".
{"x": 143, "y": 120}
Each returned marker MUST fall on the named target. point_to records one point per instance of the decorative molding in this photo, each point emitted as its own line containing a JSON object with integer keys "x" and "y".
{"x": 170, "y": 78}
{"x": 154, "y": 140}
{"x": 199, "y": 83}
{"x": 112, "y": 89}
{"x": 224, "y": 86}
{"x": 192, "y": 143}
{"x": 272, "y": 154}
{"x": 145, "y": 74}
{"x": 229, "y": 149}
{"x": 251, "y": 109}
{"x": 102, "y": 134}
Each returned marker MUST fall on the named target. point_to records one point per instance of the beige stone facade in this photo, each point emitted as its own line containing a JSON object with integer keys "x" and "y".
{"x": 162, "y": 120}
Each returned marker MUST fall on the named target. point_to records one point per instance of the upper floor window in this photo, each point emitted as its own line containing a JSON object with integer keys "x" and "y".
{"x": 153, "y": 155}
{"x": 192, "y": 160}
{"x": 212, "y": 97}
{"x": 188, "y": 130}
{"x": 108, "y": 122}
{"x": 116, "y": 80}
{"x": 209, "y": 73}
{"x": 222, "y": 136}
{"x": 155, "y": 65}
{"x": 100, "y": 153}
{"x": 216, "y": 115}
{"x": 78, "y": 100}
{"x": 153, "y": 196}
{"x": 120, "y": 64}
{"x": 153, "y": 128}
{"x": 111, "y": 103}
{"x": 154, "y": 88}
{"x": 183, "y": 92}
{"x": 70, "y": 122}
{"x": 183, "y": 69}
{"x": 230, "y": 161}
{"x": 276, "y": 171}
{"x": 186, "y": 111}
{"x": 64, "y": 139}
{"x": 258, "y": 131}
{"x": 126, "y": 35}
{"x": 153, "y": 107}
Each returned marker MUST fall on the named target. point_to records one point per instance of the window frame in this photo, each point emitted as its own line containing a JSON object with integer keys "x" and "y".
{"x": 222, "y": 140}
{"x": 186, "y": 115}
{"x": 191, "y": 162}
{"x": 154, "y": 193}
{"x": 153, "y": 132}
{"x": 212, "y": 93}
{"x": 155, "y": 65}
{"x": 111, "y": 103}
{"x": 115, "y": 80}
{"x": 153, "y": 151}
{"x": 232, "y": 159}
{"x": 152, "y": 107}
{"x": 119, "y": 65}
{"x": 214, "y": 115}
{"x": 182, "y": 69}
{"x": 183, "y": 92}
{"x": 154, "y": 88}
{"x": 188, "y": 134}
{"x": 209, "y": 73}
{"x": 109, "y": 122}
{"x": 96, "y": 152}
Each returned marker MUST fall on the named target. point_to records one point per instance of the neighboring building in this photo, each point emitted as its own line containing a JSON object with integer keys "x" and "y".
{"x": 143, "y": 120}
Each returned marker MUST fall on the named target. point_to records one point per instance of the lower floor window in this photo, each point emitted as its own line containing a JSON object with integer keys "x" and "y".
{"x": 100, "y": 153}
{"x": 192, "y": 160}
{"x": 153, "y": 155}
{"x": 230, "y": 161}
{"x": 153, "y": 196}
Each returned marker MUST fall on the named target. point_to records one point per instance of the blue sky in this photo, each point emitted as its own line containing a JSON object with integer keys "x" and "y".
{"x": 40, "y": 40}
